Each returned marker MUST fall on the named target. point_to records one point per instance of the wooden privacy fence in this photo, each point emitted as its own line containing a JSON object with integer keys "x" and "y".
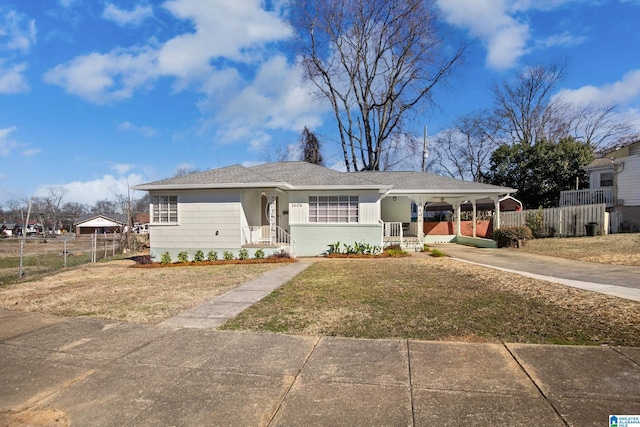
{"x": 568, "y": 221}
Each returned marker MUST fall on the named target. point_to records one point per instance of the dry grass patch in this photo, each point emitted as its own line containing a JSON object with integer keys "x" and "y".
{"x": 439, "y": 299}
{"x": 617, "y": 249}
{"x": 115, "y": 291}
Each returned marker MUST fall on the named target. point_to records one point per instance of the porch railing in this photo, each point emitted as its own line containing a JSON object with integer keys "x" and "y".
{"x": 261, "y": 235}
{"x": 590, "y": 196}
{"x": 392, "y": 231}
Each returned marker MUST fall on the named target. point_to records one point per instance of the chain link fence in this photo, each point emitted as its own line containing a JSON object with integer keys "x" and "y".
{"x": 22, "y": 258}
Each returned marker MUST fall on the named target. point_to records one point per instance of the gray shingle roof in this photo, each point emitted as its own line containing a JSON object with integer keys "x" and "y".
{"x": 599, "y": 163}
{"x": 426, "y": 181}
{"x": 308, "y": 174}
{"x": 303, "y": 174}
{"x": 235, "y": 174}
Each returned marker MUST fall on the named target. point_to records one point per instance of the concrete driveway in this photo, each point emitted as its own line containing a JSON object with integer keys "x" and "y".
{"x": 618, "y": 280}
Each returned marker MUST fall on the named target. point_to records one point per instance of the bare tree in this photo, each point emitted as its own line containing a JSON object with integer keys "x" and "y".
{"x": 52, "y": 206}
{"x": 524, "y": 105}
{"x": 464, "y": 151}
{"x": 600, "y": 127}
{"x": 528, "y": 111}
{"x": 310, "y": 148}
{"x": 374, "y": 61}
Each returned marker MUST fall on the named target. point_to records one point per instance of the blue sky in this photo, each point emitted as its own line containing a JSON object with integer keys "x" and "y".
{"x": 98, "y": 95}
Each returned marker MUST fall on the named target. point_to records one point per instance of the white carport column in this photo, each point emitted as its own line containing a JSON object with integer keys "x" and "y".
{"x": 496, "y": 215}
{"x": 420, "y": 202}
{"x": 458, "y": 214}
{"x": 271, "y": 202}
{"x": 475, "y": 214}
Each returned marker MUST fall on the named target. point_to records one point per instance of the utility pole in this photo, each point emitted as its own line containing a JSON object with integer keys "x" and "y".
{"x": 425, "y": 150}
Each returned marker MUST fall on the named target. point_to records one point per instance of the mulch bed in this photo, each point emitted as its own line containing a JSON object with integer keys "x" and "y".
{"x": 142, "y": 263}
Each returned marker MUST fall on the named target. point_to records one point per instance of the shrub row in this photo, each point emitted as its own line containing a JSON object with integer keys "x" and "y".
{"x": 198, "y": 256}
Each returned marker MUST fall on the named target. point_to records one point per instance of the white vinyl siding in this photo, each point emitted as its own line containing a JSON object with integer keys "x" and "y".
{"x": 628, "y": 179}
{"x": 164, "y": 209}
{"x": 208, "y": 220}
{"x": 333, "y": 209}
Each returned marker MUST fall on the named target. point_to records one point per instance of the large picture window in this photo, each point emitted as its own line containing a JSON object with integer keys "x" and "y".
{"x": 333, "y": 209}
{"x": 164, "y": 209}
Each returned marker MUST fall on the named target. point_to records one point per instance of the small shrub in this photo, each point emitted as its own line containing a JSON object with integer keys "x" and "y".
{"x": 227, "y": 255}
{"x": 243, "y": 254}
{"x": 535, "y": 221}
{"x": 165, "y": 258}
{"x": 281, "y": 254}
{"x": 199, "y": 256}
{"x": 259, "y": 254}
{"x": 212, "y": 256}
{"x": 334, "y": 248}
{"x": 512, "y": 236}
{"x": 437, "y": 253}
{"x": 143, "y": 259}
{"x": 394, "y": 250}
{"x": 183, "y": 256}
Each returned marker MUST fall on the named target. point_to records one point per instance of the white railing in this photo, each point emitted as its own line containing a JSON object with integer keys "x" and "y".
{"x": 261, "y": 235}
{"x": 392, "y": 231}
{"x": 590, "y": 196}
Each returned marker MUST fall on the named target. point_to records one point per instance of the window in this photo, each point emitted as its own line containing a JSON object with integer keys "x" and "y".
{"x": 606, "y": 179}
{"x": 333, "y": 209}
{"x": 164, "y": 209}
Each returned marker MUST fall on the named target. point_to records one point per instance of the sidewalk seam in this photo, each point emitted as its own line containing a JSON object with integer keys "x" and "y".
{"x": 535, "y": 384}
{"x": 413, "y": 411}
{"x": 286, "y": 393}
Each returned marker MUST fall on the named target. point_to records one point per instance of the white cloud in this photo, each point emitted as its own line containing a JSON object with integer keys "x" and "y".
{"x": 12, "y": 79}
{"x": 489, "y": 20}
{"x": 563, "y": 39}
{"x": 229, "y": 31}
{"x": 622, "y": 92}
{"x": 503, "y": 27}
{"x": 29, "y": 152}
{"x": 227, "y": 55}
{"x": 105, "y": 78}
{"x": 277, "y": 98}
{"x": 122, "y": 168}
{"x": 10, "y": 147}
{"x": 235, "y": 31}
{"x": 90, "y": 192}
{"x": 144, "y": 130}
{"x": 7, "y": 145}
{"x": 17, "y": 32}
{"x": 127, "y": 17}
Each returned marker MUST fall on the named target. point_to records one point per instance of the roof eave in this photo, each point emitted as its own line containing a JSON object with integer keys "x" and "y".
{"x": 504, "y": 190}
{"x": 225, "y": 186}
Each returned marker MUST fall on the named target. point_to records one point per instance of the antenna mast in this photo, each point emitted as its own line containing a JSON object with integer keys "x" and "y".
{"x": 425, "y": 150}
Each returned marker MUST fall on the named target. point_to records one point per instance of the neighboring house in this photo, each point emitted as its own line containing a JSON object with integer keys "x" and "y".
{"x": 298, "y": 206}
{"x": 91, "y": 224}
{"x": 9, "y": 229}
{"x": 615, "y": 181}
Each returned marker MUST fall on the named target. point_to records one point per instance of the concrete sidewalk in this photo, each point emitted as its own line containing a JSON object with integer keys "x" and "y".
{"x": 93, "y": 372}
{"x": 217, "y": 311}
{"x": 617, "y": 280}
